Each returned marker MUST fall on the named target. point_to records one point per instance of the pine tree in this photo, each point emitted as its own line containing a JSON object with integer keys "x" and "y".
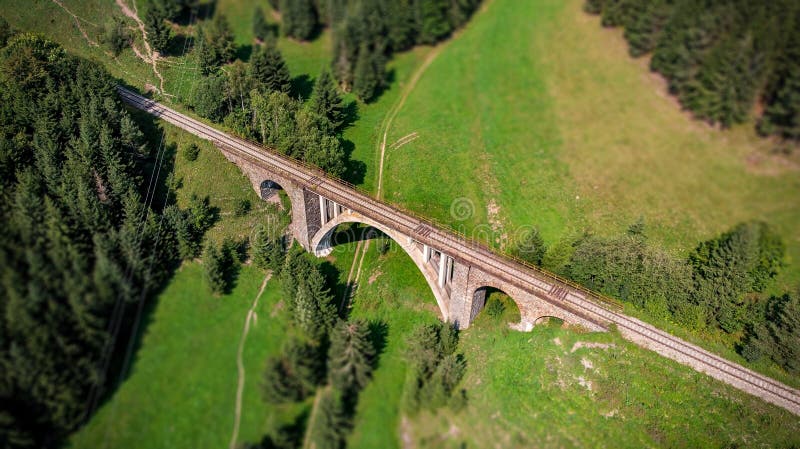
{"x": 269, "y": 70}
{"x": 782, "y": 115}
{"x": 214, "y": 268}
{"x": 532, "y": 247}
{"x": 261, "y": 28}
{"x": 331, "y": 424}
{"x": 326, "y": 101}
{"x": 777, "y": 336}
{"x": 293, "y": 375}
{"x": 220, "y": 36}
{"x": 5, "y": 32}
{"x": 205, "y": 53}
{"x": 267, "y": 252}
{"x": 307, "y": 315}
{"x": 299, "y": 18}
{"x": 365, "y": 79}
{"x": 158, "y": 32}
{"x": 350, "y": 356}
{"x": 433, "y": 21}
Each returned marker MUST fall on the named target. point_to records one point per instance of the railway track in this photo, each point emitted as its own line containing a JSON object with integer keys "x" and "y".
{"x": 570, "y": 296}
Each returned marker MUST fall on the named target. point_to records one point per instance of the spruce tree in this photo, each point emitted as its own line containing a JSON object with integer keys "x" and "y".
{"x": 365, "y": 80}
{"x": 326, "y": 101}
{"x": 5, "y": 32}
{"x": 434, "y": 24}
{"x": 261, "y": 28}
{"x": 269, "y": 70}
{"x": 205, "y": 53}
{"x": 158, "y": 32}
{"x": 331, "y": 424}
{"x": 532, "y": 247}
{"x": 299, "y": 18}
{"x": 350, "y": 356}
{"x": 214, "y": 268}
{"x": 293, "y": 375}
{"x": 267, "y": 251}
{"x": 220, "y": 36}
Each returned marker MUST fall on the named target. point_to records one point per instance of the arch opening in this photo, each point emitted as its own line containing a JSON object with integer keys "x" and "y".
{"x": 272, "y": 192}
{"x": 349, "y": 227}
{"x": 493, "y": 308}
{"x": 549, "y": 321}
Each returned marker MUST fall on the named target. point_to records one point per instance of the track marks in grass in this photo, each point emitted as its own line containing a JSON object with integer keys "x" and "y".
{"x": 251, "y": 317}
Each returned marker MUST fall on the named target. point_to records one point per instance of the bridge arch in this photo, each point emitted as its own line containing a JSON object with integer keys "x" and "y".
{"x": 269, "y": 190}
{"x": 533, "y": 309}
{"x": 497, "y": 303}
{"x": 322, "y": 245}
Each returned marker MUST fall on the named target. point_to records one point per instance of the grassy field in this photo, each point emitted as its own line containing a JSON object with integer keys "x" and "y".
{"x": 551, "y": 387}
{"x": 569, "y": 135}
{"x": 537, "y": 115}
{"x": 182, "y": 384}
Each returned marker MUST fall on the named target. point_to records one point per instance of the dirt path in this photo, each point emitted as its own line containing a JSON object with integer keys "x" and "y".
{"x": 150, "y": 57}
{"x": 348, "y": 285}
{"x": 78, "y": 24}
{"x": 251, "y": 317}
{"x": 393, "y": 113}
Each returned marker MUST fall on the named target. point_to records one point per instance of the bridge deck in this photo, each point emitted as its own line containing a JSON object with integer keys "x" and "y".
{"x": 572, "y": 297}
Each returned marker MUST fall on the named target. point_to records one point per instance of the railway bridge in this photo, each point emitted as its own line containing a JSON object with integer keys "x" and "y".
{"x": 457, "y": 270}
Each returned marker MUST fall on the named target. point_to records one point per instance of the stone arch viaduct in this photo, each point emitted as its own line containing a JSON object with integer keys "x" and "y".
{"x": 456, "y": 269}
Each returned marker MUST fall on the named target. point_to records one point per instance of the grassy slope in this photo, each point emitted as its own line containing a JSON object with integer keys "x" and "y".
{"x": 182, "y": 385}
{"x": 524, "y": 388}
{"x": 190, "y": 342}
{"x": 533, "y": 390}
{"x": 539, "y": 109}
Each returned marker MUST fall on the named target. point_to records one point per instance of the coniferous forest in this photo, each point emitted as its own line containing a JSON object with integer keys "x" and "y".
{"x": 83, "y": 240}
{"x": 725, "y": 60}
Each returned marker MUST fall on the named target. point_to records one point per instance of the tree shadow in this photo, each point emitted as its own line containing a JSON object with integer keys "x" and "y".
{"x": 378, "y": 334}
{"x": 302, "y": 86}
{"x": 334, "y": 280}
{"x": 391, "y": 75}
{"x": 287, "y": 435}
{"x": 243, "y": 52}
{"x": 355, "y": 170}
{"x": 180, "y": 45}
{"x": 350, "y": 112}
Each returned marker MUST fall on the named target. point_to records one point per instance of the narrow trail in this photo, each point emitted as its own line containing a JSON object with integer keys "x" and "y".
{"x": 151, "y": 57}
{"x": 396, "y": 109}
{"x": 77, "y": 20}
{"x": 251, "y": 317}
{"x": 348, "y": 284}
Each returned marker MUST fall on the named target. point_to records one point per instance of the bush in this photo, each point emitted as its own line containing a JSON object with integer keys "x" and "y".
{"x": 191, "y": 151}
{"x": 242, "y": 207}
{"x": 495, "y": 308}
{"x": 435, "y": 367}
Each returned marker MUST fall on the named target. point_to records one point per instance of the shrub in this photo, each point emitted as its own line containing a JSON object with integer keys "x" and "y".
{"x": 191, "y": 151}
{"x": 242, "y": 207}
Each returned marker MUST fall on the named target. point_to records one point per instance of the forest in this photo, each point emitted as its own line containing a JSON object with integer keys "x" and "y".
{"x": 725, "y": 60}
{"x": 724, "y": 285}
{"x": 86, "y": 237}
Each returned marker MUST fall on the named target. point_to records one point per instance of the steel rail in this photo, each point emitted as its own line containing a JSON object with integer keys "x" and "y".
{"x": 579, "y": 300}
